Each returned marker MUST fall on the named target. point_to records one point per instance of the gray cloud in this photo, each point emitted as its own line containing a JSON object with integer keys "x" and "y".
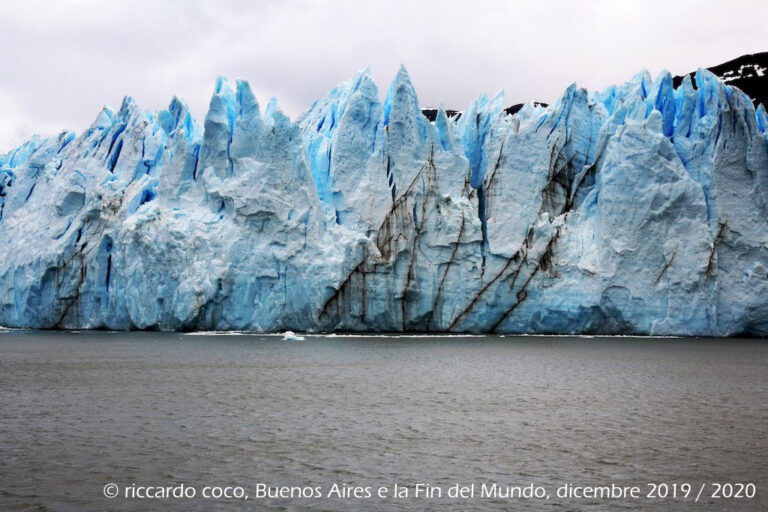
{"x": 60, "y": 62}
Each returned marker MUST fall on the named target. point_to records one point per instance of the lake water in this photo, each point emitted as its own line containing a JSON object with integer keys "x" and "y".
{"x": 82, "y": 410}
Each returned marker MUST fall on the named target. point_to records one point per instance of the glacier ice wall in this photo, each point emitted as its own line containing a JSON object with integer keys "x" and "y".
{"x": 640, "y": 209}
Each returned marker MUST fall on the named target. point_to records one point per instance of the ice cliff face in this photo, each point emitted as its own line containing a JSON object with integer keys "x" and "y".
{"x": 640, "y": 209}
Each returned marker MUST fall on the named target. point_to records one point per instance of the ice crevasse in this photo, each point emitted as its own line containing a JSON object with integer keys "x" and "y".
{"x": 641, "y": 209}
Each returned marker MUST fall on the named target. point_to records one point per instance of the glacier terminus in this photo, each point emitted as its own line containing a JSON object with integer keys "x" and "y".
{"x": 641, "y": 209}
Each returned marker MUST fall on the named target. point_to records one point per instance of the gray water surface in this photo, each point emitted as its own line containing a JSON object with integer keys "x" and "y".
{"x": 80, "y": 410}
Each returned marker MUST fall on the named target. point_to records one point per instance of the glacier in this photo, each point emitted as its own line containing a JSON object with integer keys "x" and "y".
{"x": 641, "y": 209}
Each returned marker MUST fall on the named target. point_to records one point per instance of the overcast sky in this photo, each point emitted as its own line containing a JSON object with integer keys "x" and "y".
{"x": 61, "y": 61}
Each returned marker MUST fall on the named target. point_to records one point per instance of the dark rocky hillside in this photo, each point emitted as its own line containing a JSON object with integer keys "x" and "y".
{"x": 748, "y": 72}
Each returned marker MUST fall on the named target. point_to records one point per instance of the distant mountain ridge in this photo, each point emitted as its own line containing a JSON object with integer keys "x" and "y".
{"x": 748, "y": 72}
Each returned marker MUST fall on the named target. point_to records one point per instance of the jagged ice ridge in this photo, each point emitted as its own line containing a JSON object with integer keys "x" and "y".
{"x": 640, "y": 209}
